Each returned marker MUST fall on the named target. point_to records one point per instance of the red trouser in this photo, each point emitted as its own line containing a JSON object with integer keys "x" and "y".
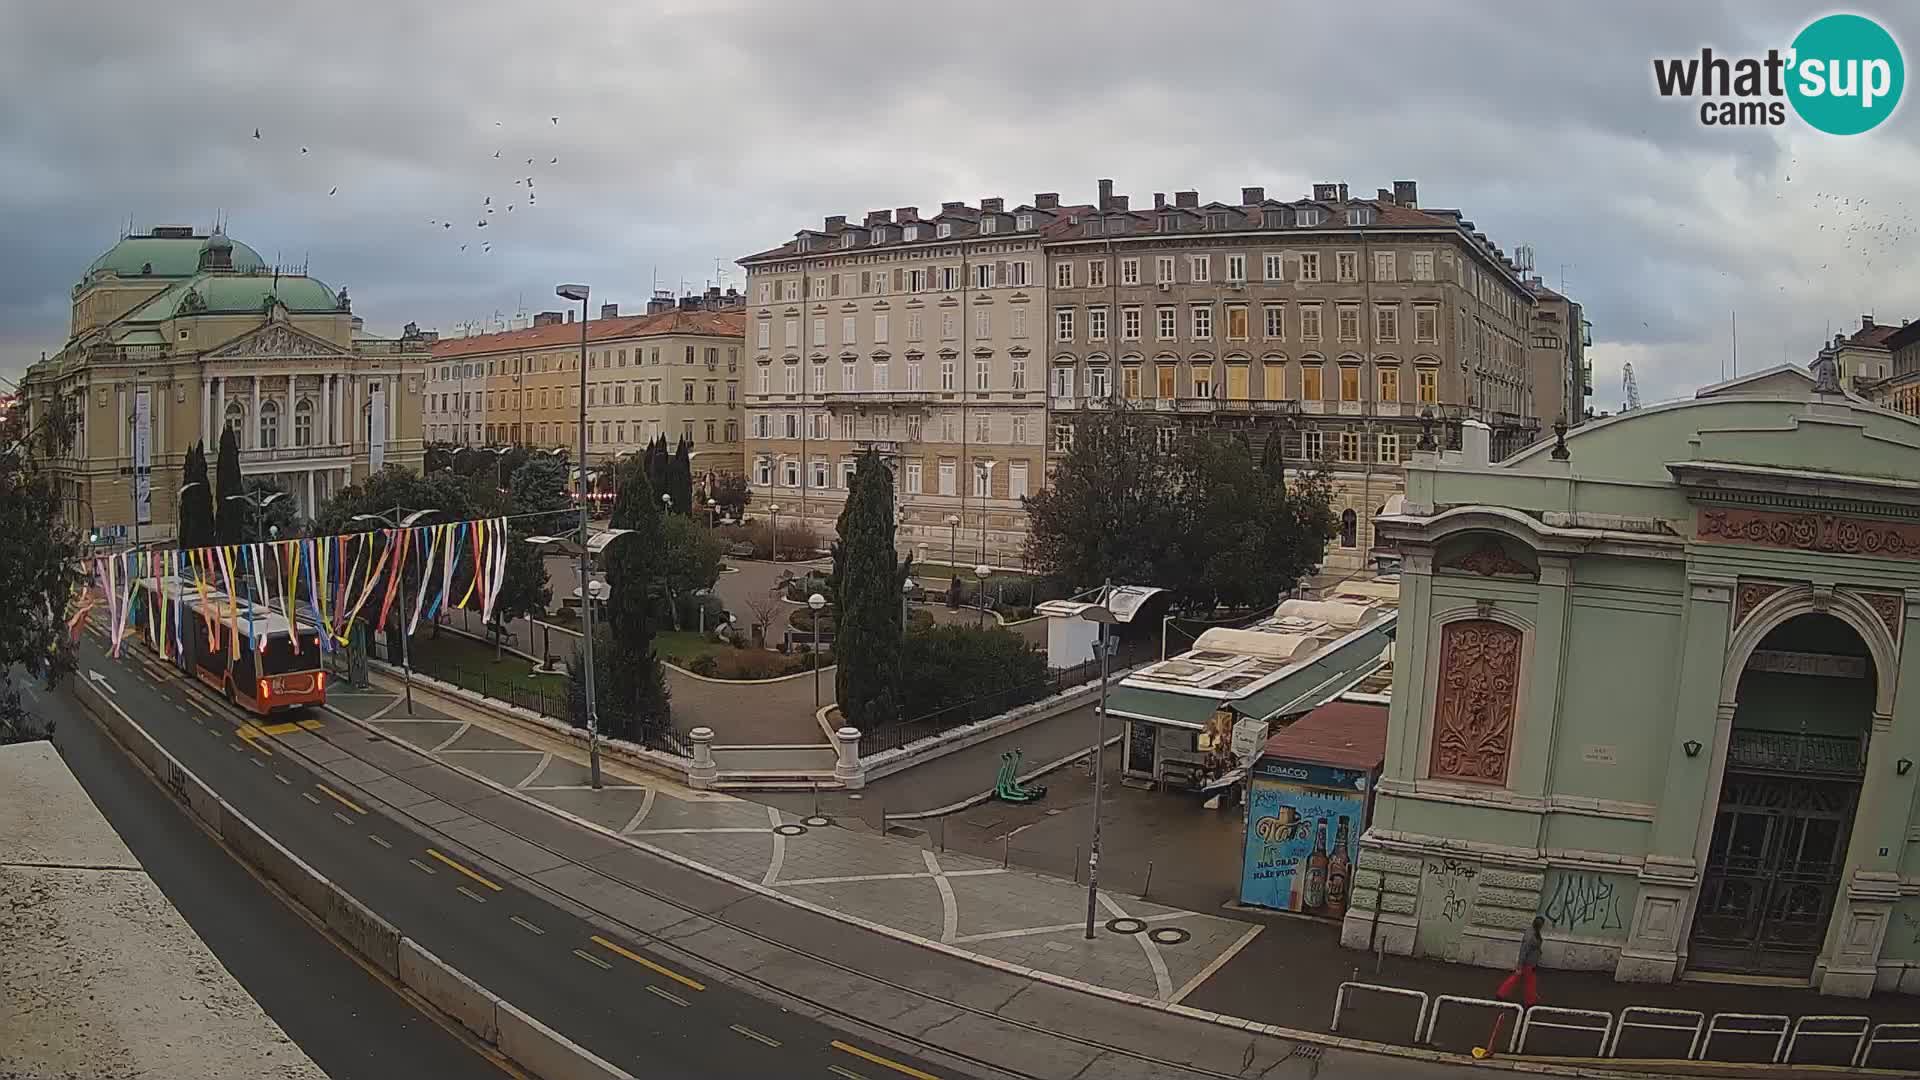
{"x": 1522, "y": 980}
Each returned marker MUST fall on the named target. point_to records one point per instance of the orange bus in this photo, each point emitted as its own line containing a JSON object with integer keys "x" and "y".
{"x": 267, "y": 676}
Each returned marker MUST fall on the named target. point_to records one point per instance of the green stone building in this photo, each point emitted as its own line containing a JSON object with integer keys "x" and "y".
{"x": 1653, "y": 684}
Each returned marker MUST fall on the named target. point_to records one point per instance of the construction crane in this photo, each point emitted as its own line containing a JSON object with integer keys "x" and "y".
{"x": 1631, "y": 386}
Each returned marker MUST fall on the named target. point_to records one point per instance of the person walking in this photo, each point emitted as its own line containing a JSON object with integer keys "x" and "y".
{"x": 1522, "y": 983}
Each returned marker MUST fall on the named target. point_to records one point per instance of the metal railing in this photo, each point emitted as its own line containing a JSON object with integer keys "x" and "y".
{"x": 974, "y": 710}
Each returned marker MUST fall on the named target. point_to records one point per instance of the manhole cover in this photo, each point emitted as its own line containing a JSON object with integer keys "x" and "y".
{"x": 1169, "y": 935}
{"x": 817, "y": 821}
{"x": 790, "y": 829}
{"x": 1126, "y": 925}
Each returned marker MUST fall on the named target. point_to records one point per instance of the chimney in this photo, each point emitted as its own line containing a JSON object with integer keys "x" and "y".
{"x": 609, "y": 311}
{"x": 1252, "y": 195}
{"x": 569, "y": 316}
{"x": 880, "y": 217}
{"x": 995, "y": 205}
{"x": 1325, "y": 192}
{"x": 662, "y": 301}
{"x": 907, "y": 214}
{"x": 1406, "y": 193}
{"x": 1476, "y": 444}
{"x": 1046, "y": 200}
{"x": 836, "y": 221}
{"x": 1159, "y": 200}
{"x": 1187, "y": 199}
{"x": 1343, "y": 193}
{"x": 1106, "y": 194}
{"x": 950, "y": 207}
{"x": 1383, "y": 195}
{"x": 1866, "y": 322}
{"x": 547, "y": 318}
{"x": 1120, "y": 202}
{"x": 689, "y": 303}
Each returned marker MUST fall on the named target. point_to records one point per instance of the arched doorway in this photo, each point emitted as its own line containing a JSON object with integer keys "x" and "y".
{"x": 1795, "y": 760}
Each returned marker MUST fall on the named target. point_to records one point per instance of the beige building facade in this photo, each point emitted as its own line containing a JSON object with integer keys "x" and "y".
{"x": 1557, "y": 352}
{"x": 1333, "y": 322}
{"x": 674, "y": 373}
{"x": 177, "y": 335}
{"x": 922, "y": 338}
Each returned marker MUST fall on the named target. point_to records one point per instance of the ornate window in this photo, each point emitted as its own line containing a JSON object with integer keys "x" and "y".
{"x": 236, "y": 419}
{"x": 1476, "y": 700}
{"x": 303, "y": 423}
{"x": 269, "y": 425}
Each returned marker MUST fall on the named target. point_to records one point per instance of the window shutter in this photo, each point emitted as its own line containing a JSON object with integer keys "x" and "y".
{"x": 866, "y": 281}
{"x": 1000, "y": 272}
{"x": 899, "y": 279}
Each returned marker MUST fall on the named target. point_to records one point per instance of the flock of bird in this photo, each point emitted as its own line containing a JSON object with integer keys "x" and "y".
{"x": 523, "y": 179}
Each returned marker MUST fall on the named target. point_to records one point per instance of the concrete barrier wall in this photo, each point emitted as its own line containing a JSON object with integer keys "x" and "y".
{"x": 748, "y": 758}
{"x": 449, "y": 991}
{"x": 370, "y": 935}
{"x": 549, "y": 1054}
{"x": 539, "y": 1049}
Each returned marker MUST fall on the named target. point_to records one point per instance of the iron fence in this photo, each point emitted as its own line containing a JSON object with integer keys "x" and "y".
{"x": 1058, "y": 680}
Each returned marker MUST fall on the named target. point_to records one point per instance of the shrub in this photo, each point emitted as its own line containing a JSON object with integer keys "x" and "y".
{"x": 802, "y": 619}
{"x": 951, "y": 664}
{"x": 704, "y": 664}
{"x": 797, "y": 541}
{"x": 804, "y": 586}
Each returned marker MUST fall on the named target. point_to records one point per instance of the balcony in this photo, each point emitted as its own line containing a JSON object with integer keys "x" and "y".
{"x": 271, "y": 454}
{"x": 847, "y": 398}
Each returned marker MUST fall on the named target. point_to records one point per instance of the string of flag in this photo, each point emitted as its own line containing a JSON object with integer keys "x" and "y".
{"x": 321, "y": 584}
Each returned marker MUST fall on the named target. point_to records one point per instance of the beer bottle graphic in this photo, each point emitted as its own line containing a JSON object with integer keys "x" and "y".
{"x": 1339, "y": 871}
{"x": 1316, "y": 890}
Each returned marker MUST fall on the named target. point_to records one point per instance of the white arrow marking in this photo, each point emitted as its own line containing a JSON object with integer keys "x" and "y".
{"x": 102, "y": 680}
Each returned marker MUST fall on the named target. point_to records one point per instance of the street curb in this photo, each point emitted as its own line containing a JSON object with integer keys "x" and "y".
{"x": 1235, "y": 1023}
{"x": 377, "y": 941}
{"x": 972, "y": 801}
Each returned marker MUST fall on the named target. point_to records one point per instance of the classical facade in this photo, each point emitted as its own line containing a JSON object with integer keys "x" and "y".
{"x": 176, "y": 335}
{"x": 1900, "y": 389}
{"x": 921, "y": 338}
{"x": 1654, "y": 684}
{"x": 674, "y": 373}
{"x": 1331, "y": 321}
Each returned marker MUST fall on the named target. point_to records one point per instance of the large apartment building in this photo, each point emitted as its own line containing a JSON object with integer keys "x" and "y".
{"x": 1557, "y": 350}
{"x": 963, "y": 345}
{"x": 177, "y": 335}
{"x": 674, "y": 373}
{"x": 923, "y": 338}
{"x": 1332, "y": 321}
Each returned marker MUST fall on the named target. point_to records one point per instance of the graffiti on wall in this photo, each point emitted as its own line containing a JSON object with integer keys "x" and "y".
{"x": 1588, "y": 903}
{"x": 1453, "y": 881}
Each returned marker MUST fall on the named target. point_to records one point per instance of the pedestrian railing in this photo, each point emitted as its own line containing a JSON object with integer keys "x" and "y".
{"x": 1849, "y": 1041}
{"x": 973, "y": 710}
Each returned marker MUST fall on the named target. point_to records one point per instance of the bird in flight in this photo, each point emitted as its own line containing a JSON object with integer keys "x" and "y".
{"x": 555, "y": 161}
{"x": 496, "y": 153}
{"x": 333, "y": 191}
{"x": 256, "y": 133}
{"x": 303, "y": 149}
{"x": 556, "y": 120}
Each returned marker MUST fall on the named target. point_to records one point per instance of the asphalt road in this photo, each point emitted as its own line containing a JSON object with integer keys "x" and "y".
{"x": 643, "y": 1011}
{"x": 350, "y": 1023}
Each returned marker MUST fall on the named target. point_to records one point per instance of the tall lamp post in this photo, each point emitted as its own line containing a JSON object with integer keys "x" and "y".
{"x": 579, "y": 293}
{"x": 773, "y": 509}
{"x": 980, "y": 582}
{"x": 259, "y": 501}
{"x": 713, "y": 513}
{"x": 1107, "y": 614}
{"x": 393, "y": 519}
{"x": 816, "y": 602}
{"x": 907, "y": 588}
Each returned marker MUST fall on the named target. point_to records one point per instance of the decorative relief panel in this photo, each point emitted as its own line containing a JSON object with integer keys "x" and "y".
{"x": 1490, "y": 559}
{"x": 1478, "y": 694}
{"x": 1811, "y": 532}
{"x": 1750, "y": 596}
{"x": 1890, "y": 607}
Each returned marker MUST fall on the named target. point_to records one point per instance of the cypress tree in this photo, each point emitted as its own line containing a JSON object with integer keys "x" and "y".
{"x": 680, "y": 477}
{"x": 196, "y": 504}
{"x": 867, "y": 578}
{"x": 229, "y": 515}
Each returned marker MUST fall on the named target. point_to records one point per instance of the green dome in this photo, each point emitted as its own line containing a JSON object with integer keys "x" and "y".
{"x": 239, "y": 294}
{"x": 169, "y": 256}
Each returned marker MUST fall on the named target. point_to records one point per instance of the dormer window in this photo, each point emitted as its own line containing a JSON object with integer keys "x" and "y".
{"x": 1360, "y": 215}
{"x": 805, "y": 243}
{"x": 1169, "y": 223}
{"x": 943, "y": 230}
{"x": 910, "y": 233}
{"x": 1216, "y": 221}
{"x": 1274, "y": 219}
{"x": 989, "y": 223}
{"x": 1023, "y": 223}
{"x": 1311, "y": 217}
{"x": 879, "y": 236}
{"x": 846, "y": 240}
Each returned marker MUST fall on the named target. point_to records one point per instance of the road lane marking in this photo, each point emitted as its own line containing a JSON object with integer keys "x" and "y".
{"x": 236, "y": 748}
{"x": 199, "y": 708}
{"x": 594, "y": 960}
{"x": 344, "y": 819}
{"x": 339, "y": 798}
{"x": 849, "y": 1074}
{"x": 470, "y": 894}
{"x": 249, "y": 734}
{"x": 308, "y": 795}
{"x": 258, "y": 762}
{"x": 867, "y": 1055}
{"x": 442, "y": 858}
{"x": 675, "y": 998}
{"x": 423, "y": 866}
{"x": 283, "y": 779}
{"x": 648, "y": 964}
{"x": 378, "y": 840}
{"x": 525, "y": 925}
{"x": 754, "y": 1035}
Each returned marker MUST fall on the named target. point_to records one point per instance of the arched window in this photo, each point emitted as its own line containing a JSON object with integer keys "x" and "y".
{"x": 269, "y": 425}
{"x": 236, "y": 419}
{"x": 1349, "y": 529}
{"x": 303, "y": 423}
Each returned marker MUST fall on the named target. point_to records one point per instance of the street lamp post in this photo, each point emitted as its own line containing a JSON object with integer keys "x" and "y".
{"x": 906, "y": 591}
{"x": 713, "y": 513}
{"x": 393, "y": 519}
{"x": 259, "y": 501}
{"x": 579, "y": 293}
{"x": 666, "y": 502}
{"x": 1105, "y": 617}
{"x": 774, "y": 510}
{"x": 816, "y": 602}
{"x": 980, "y": 575}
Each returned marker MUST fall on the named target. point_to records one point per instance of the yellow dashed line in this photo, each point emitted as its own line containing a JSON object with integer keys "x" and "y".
{"x": 648, "y": 964}
{"x": 868, "y": 1055}
{"x": 339, "y": 798}
{"x": 442, "y": 858}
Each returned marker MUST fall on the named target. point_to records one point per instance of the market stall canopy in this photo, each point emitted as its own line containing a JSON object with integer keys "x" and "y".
{"x": 1339, "y": 734}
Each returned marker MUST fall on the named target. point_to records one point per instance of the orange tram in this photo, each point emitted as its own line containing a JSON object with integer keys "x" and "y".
{"x": 266, "y": 676}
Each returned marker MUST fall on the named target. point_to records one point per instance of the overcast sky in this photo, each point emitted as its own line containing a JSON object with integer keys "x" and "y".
{"x": 690, "y": 134}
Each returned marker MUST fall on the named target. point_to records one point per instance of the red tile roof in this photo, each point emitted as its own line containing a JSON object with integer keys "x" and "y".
{"x": 1343, "y": 734}
{"x": 1874, "y": 336}
{"x": 714, "y": 323}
